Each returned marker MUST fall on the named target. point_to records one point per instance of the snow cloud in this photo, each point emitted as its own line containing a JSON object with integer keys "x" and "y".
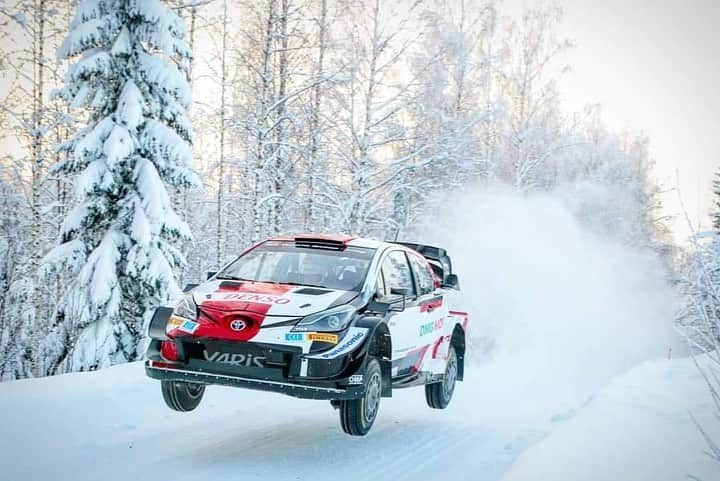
{"x": 558, "y": 308}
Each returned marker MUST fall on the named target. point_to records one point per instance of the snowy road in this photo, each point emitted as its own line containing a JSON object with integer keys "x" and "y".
{"x": 113, "y": 425}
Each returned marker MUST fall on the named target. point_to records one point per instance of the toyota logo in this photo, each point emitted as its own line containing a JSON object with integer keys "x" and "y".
{"x": 237, "y": 325}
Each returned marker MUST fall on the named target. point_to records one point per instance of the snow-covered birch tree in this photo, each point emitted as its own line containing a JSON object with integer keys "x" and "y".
{"x": 451, "y": 118}
{"x": 369, "y": 141}
{"x": 534, "y": 130}
{"x": 274, "y": 79}
{"x": 316, "y": 158}
{"x": 120, "y": 237}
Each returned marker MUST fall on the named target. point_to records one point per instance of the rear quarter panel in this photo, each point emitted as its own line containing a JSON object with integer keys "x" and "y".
{"x": 454, "y": 314}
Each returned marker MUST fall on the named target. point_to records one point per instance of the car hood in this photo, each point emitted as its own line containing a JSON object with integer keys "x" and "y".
{"x": 268, "y": 299}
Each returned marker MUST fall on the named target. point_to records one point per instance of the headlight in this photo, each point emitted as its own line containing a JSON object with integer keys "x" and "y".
{"x": 186, "y": 308}
{"x": 332, "y": 320}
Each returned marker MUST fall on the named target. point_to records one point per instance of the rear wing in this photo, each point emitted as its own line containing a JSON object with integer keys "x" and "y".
{"x": 437, "y": 257}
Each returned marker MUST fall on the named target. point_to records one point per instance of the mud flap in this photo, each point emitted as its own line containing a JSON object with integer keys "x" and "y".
{"x": 386, "y": 371}
{"x": 380, "y": 347}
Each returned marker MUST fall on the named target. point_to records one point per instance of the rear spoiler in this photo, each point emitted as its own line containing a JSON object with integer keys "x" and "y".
{"x": 437, "y": 257}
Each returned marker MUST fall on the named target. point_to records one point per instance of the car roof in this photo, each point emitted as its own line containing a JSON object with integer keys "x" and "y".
{"x": 345, "y": 239}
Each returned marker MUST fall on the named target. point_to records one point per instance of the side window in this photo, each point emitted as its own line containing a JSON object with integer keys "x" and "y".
{"x": 397, "y": 273}
{"x": 425, "y": 279}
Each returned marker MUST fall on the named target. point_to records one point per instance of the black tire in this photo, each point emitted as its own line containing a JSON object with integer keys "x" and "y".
{"x": 439, "y": 394}
{"x": 182, "y": 396}
{"x": 358, "y": 415}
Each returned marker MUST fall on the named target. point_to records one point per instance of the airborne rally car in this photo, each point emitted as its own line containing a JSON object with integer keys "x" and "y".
{"x": 317, "y": 316}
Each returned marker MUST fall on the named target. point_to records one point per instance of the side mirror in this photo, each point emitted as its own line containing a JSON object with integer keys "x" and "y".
{"x": 403, "y": 293}
{"x": 452, "y": 282}
{"x": 384, "y": 304}
{"x": 378, "y": 307}
{"x": 394, "y": 307}
{"x": 210, "y": 274}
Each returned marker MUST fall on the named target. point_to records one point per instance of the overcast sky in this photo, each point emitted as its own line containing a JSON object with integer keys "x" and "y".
{"x": 654, "y": 66}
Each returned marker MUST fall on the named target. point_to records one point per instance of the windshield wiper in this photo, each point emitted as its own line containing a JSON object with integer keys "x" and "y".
{"x": 232, "y": 278}
{"x": 236, "y": 278}
{"x": 303, "y": 284}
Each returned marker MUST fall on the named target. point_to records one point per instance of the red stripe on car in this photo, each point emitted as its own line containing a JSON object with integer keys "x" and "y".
{"x": 418, "y": 363}
{"x": 437, "y": 345}
{"x": 431, "y": 305}
{"x": 465, "y": 317}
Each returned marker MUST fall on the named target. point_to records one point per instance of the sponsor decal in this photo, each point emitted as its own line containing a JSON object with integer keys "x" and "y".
{"x": 355, "y": 379}
{"x": 259, "y": 298}
{"x": 311, "y": 336}
{"x": 323, "y": 337}
{"x": 173, "y": 323}
{"x": 238, "y": 325}
{"x": 431, "y": 327}
{"x": 235, "y": 359}
{"x": 345, "y": 346}
{"x": 189, "y": 326}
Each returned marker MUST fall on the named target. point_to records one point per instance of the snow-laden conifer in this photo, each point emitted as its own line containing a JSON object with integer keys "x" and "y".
{"x": 121, "y": 235}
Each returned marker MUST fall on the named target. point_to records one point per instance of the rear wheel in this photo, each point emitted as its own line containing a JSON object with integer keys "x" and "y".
{"x": 358, "y": 415}
{"x": 182, "y": 396}
{"x": 439, "y": 394}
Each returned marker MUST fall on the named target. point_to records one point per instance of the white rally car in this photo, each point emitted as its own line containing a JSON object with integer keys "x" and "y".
{"x": 330, "y": 317}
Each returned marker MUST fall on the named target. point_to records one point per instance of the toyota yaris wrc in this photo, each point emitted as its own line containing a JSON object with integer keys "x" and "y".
{"x": 328, "y": 317}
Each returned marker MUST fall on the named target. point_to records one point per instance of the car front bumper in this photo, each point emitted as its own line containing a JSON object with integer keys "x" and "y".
{"x": 286, "y": 372}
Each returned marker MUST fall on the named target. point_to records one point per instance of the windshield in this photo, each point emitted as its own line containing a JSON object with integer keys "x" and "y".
{"x": 284, "y": 263}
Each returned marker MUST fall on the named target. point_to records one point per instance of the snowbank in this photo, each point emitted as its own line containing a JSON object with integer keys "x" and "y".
{"x": 638, "y": 428}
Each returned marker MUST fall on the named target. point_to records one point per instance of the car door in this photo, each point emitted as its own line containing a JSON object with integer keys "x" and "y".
{"x": 432, "y": 314}
{"x": 396, "y": 275}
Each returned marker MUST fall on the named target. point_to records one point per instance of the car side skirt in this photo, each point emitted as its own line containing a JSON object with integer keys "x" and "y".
{"x": 419, "y": 379}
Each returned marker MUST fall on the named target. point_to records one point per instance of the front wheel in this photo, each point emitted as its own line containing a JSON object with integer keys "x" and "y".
{"x": 182, "y": 396}
{"x": 439, "y": 394}
{"x": 358, "y": 415}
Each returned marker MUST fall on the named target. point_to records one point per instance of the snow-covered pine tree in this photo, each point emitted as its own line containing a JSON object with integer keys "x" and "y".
{"x": 120, "y": 238}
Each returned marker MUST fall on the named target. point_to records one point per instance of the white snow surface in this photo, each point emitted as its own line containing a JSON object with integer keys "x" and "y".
{"x": 113, "y": 425}
{"x": 638, "y": 428}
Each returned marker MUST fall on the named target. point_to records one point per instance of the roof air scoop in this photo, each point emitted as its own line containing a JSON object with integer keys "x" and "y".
{"x": 328, "y": 242}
